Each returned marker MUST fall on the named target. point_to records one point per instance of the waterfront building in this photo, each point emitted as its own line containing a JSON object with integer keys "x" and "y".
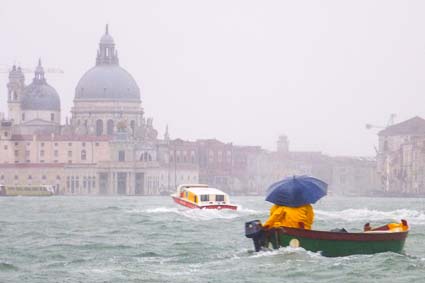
{"x": 401, "y": 158}
{"x": 108, "y": 148}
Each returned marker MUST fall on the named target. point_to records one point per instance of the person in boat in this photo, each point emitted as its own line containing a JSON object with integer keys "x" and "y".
{"x": 295, "y": 217}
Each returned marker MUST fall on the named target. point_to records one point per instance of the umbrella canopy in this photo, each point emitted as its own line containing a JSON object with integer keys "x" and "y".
{"x": 296, "y": 191}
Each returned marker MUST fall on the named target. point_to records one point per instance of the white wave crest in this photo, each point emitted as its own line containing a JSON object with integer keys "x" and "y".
{"x": 198, "y": 214}
{"x": 354, "y": 215}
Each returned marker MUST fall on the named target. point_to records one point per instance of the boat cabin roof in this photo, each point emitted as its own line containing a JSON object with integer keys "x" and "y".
{"x": 206, "y": 191}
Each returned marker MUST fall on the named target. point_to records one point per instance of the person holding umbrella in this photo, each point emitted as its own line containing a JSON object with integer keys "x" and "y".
{"x": 292, "y": 198}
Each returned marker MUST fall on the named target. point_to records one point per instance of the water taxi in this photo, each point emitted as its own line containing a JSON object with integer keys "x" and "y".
{"x": 42, "y": 190}
{"x": 203, "y": 197}
{"x": 387, "y": 238}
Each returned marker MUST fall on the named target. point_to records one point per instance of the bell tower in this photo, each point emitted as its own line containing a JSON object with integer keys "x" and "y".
{"x": 15, "y": 88}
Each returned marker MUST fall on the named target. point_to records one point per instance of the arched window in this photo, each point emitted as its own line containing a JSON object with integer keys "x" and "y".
{"x": 83, "y": 155}
{"x": 99, "y": 127}
{"x": 15, "y": 96}
{"x": 110, "y": 127}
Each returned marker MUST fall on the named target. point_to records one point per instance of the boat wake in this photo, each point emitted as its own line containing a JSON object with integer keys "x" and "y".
{"x": 354, "y": 215}
{"x": 287, "y": 251}
{"x": 199, "y": 214}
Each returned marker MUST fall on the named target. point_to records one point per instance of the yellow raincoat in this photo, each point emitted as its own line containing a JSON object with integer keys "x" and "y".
{"x": 290, "y": 216}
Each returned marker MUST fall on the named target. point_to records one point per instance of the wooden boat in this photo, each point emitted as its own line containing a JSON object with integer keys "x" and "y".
{"x": 331, "y": 244}
{"x": 203, "y": 197}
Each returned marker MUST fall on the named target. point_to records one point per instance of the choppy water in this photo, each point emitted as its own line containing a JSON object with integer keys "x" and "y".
{"x": 151, "y": 239}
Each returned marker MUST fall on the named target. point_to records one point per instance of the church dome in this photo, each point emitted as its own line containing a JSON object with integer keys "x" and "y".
{"x": 107, "y": 80}
{"x": 39, "y": 95}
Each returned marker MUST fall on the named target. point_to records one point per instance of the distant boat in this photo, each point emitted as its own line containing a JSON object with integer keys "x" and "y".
{"x": 203, "y": 197}
{"x": 42, "y": 190}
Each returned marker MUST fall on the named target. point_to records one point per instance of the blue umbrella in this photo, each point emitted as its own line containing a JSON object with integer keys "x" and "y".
{"x": 296, "y": 191}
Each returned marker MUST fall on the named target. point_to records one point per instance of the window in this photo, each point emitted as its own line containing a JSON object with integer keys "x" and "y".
{"x": 42, "y": 144}
{"x": 41, "y": 152}
{"x": 27, "y": 153}
{"x": 83, "y": 144}
{"x": 5, "y": 147}
{"x": 56, "y": 144}
{"x": 83, "y": 155}
{"x": 6, "y": 134}
{"x": 219, "y": 198}
{"x": 97, "y": 144}
{"x": 205, "y": 197}
{"x": 29, "y": 177}
{"x": 44, "y": 177}
{"x": 70, "y": 144}
{"x": 16, "y": 152}
{"x": 56, "y": 153}
{"x": 23, "y": 116}
{"x": 69, "y": 153}
{"x": 121, "y": 155}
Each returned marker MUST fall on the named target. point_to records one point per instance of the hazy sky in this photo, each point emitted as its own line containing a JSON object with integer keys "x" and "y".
{"x": 239, "y": 71}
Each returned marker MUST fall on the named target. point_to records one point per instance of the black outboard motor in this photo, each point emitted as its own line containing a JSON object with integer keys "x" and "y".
{"x": 254, "y": 231}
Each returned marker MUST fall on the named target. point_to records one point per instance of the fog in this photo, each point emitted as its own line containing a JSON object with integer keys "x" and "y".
{"x": 239, "y": 71}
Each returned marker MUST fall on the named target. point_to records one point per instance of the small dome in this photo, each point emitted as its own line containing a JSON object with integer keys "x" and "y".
{"x": 107, "y": 82}
{"x": 40, "y": 96}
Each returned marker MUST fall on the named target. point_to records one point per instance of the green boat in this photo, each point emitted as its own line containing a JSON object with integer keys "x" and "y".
{"x": 329, "y": 243}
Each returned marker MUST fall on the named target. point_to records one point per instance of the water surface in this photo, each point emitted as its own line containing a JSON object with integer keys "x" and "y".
{"x": 151, "y": 239}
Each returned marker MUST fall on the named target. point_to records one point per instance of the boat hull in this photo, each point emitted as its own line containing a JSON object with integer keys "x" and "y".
{"x": 331, "y": 244}
{"x": 193, "y": 205}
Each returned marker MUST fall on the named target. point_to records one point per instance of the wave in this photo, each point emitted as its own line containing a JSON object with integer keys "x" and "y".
{"x": 198, "y": 214}
{"x": 353, "y": 215}
{"x": 4, "y": 266}
{"x": 286, "y": 251}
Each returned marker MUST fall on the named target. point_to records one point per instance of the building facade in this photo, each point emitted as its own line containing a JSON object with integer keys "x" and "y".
{"x": 401, "y": 158}
{"x": 108, "y": 148}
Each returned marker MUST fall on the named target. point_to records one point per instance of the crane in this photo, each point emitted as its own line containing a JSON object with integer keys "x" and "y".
{"x": 390, "y": 122}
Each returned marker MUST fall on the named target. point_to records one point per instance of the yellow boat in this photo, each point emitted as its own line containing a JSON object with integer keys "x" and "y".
{"x": 41, "y": 190}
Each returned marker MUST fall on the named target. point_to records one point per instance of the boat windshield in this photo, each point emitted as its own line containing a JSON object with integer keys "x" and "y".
{"x": 219, "y": 198}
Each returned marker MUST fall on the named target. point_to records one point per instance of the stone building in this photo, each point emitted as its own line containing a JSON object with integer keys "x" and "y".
{"x": 109, "y": 148}
{"x": 401, "y": 158}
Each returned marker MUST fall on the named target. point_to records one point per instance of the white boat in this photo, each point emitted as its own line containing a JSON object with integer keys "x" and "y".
{"x": 203, "y": 197}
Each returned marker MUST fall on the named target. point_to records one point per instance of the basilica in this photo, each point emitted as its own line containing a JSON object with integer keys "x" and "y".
{"x": 107, "y": 148}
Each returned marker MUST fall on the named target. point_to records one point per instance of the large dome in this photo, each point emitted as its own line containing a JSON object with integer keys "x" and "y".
{"x": 107, "y": 82}
{"x": 39, "y": 95}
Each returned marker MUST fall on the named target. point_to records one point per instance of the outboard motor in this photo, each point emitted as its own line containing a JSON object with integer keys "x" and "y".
{"x": 254, "y": 231}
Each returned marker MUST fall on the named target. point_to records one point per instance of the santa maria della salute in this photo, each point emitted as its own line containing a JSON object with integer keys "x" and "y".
{"x": 108, "y": 147}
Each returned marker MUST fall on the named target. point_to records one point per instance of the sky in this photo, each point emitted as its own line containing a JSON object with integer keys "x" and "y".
{"x": 237, "y": 70}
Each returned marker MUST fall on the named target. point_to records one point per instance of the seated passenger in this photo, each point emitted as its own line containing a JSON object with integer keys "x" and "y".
{"x": 295, "y": 217}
